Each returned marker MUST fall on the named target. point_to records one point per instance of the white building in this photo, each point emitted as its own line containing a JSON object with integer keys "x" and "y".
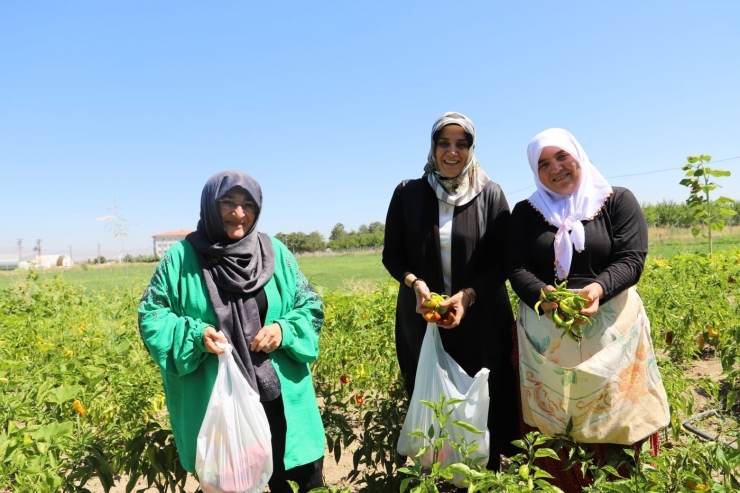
{"x": 46, "y": 262}
{"x": 163, "y": 241}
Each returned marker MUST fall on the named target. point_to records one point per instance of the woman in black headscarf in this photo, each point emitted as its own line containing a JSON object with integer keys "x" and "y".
{"x": 444, "y": 233}
{"x": 228, "y": 283}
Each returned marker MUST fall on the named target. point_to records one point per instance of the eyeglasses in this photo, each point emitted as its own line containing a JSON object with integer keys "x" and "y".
{"x": 230, "y": 205}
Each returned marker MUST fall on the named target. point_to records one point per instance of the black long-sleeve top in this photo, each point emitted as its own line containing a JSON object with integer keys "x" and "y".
{"x": 616, "y": 247}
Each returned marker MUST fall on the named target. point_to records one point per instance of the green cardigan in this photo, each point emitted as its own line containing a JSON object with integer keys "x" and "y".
{"x": 175, "y": 311}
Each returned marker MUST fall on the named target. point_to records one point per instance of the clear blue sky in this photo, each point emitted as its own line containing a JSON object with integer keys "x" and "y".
{"x": 329, "y": 104}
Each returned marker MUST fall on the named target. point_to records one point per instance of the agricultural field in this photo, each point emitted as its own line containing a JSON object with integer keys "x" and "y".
{"x": 82, "y": 409}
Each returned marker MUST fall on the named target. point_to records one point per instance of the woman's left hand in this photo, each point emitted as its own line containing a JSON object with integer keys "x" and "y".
{"x": 267, "y": 339}
{"x": 593, "y": 293}
{"x": 459, "y": 303}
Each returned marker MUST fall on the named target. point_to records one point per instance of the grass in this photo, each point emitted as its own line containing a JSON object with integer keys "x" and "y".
{"x": 667, "y": 243}
{"x": 348, "y": 272}
{"x": 355, "y": 271}
{"x": 105, "y": 277}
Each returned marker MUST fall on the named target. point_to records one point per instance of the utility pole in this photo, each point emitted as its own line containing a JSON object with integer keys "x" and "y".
{"x": 20, "y": 249}
{"x": 98, "y": 259}
{"x": 37, "y": 249}
{"x": 70, "y": 255}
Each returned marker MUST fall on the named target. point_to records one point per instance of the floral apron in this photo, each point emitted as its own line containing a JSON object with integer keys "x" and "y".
{"x": 609, "y": 387}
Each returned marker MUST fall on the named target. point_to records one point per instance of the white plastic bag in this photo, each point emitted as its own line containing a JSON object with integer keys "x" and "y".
{"x": 234, "y": 451}
{"x": 438, "y": 374}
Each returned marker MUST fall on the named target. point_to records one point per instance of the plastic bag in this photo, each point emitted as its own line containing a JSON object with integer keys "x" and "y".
{"x": 234, "y": 451}
{"x": 438, "y": 374}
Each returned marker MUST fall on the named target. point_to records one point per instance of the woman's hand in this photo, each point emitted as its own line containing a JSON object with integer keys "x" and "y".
{"x": 548, "y": 306}
{"x": 267, "y": 339}
{"x": 593, "y": 293}
{"x": 421, "y": 290}
{"x": 210, "y": 337}
{"x": 458, "y": 302}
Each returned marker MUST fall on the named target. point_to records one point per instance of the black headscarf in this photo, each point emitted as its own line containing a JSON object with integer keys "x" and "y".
{"x": 234, "y": 272}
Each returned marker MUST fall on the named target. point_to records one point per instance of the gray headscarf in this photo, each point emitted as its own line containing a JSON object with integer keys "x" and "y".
{"x": 471, "y": 180}
{"x": 234, "y": 272}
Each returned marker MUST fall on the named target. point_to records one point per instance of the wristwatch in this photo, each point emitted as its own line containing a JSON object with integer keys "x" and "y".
{"x": 470, "y": 293}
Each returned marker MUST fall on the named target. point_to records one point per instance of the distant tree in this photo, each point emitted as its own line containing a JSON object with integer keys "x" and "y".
{"x": 669, "y": 213}
{"x": 315, "y": 242}
{"x": 367, "y": 236}
{"x": 376, "y": 226}
{"x": 301, "y": 242}
{"x": 337, "y": 232}
{"x": 651, "y": 214}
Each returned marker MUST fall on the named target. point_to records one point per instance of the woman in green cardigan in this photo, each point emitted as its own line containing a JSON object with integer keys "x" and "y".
{"x": 228, "y": 283}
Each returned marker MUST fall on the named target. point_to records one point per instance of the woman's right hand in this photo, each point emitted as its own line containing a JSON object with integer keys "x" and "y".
{"x": 548, "y": 306}
{"x": 210, "y": 337}
{"x": 421, "y": 290}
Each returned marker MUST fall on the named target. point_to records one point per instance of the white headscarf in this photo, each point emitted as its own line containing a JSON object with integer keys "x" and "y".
{"x": 471, "y": 180}
{"x": 566, "y": 212}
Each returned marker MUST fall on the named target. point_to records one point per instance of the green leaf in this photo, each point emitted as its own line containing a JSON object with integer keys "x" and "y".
{"x": 686, "y": 167}
{"x": 467, "y": 427}
{"x": 405, "y": 483}
{"x": 718, "y": 172}
{"x": 51, "y": 431}
{"x": 541, "y": 473}
{"x": 706, "y": 158}
{"x": 546, "y": 452}
{"x": 695, "y": 231}
{"x": 717, "y": 225}
{"x": 64, "y": 393}
{"x": 459, "y": 468}
{"x": 452, "y": 402}
{"x": 569, "y": 427}
{"x": 519, "y": 443}
{"x": 692, "y": 159}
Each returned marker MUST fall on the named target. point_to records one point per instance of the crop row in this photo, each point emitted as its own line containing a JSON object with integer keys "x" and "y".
{"x": 81, "y": 399}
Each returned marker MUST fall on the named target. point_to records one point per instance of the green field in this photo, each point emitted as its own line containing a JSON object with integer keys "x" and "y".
{"x": 331, "y": 272}
{"x": 343, "y": 272}
{"x": 667, "y": 247}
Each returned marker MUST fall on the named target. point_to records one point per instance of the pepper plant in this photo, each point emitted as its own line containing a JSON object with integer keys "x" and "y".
{"x": 710, "y": 213}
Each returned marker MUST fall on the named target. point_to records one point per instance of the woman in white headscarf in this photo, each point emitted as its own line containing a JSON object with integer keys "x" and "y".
{"x": 444, "y": 233}
{"x": 577, "y": 228}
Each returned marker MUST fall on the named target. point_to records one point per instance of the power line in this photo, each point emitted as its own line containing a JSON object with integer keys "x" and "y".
{"x": 643, "y": 173}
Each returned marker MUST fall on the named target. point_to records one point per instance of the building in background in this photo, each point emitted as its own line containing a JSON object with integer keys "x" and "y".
{"x": 45, "y": 262}
{"x": 163, "y": 241}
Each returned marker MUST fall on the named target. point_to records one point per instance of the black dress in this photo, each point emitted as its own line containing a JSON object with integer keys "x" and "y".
{"x": 483, "y": 338}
